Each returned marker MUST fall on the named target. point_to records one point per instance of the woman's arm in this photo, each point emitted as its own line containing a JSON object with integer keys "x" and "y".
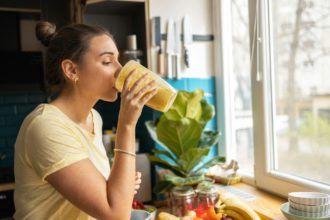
{"x": 85, "y": 187}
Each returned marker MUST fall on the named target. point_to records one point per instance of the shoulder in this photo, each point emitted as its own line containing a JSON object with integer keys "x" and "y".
{"x": 48, "y": 121}
{"x": 97, "y": 117}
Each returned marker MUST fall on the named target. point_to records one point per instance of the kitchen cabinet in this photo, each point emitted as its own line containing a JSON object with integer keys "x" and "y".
{"x": 122, "y": 18}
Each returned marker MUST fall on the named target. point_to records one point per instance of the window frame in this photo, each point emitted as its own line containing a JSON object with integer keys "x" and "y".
{"x": 261, "y": 74}
{"x": 223, "y": 53}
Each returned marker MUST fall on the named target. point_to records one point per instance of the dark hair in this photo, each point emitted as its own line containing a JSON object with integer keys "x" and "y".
{"x": 70, "y": 42}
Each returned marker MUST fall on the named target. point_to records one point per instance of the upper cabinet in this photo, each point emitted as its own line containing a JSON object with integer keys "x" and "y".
{"x": 122, "y": 18}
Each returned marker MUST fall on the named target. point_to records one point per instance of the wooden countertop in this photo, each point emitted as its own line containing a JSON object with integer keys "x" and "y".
{"x": 266, "y": 205}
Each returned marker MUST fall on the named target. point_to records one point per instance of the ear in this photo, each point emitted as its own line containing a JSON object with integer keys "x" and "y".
{"x": 70, "y": 69}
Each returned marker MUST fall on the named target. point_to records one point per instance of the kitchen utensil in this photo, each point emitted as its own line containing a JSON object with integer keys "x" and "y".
{"x": 170, "y": 47}
{"x": 187, "y": 39}
{"x": 156, "y": 42}
{"x": 139, "y": 214}
{"x": 310, "y": 208}
{"x": 285, "y": 208}
{"x": 309, "y": 198}
{"x": 177, "y": 50}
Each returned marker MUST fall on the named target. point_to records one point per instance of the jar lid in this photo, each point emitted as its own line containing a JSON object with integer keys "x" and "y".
{"x": 183, "y": 191}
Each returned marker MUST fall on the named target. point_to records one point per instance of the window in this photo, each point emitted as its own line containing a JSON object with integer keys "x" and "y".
{"x": 292, "y": 97}
{"x": 240, "y": 87}
{"x": 285, "y": 133}
{"x": 237, "y": 81}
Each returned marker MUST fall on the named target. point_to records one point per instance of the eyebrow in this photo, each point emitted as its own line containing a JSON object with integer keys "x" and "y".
{"x": 110, "y": 53}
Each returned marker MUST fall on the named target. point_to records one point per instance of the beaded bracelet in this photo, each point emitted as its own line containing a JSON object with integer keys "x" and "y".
{"x": 124, "y": 151}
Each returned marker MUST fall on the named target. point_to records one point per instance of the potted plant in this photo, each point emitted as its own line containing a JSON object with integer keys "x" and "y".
{"x": 184, "y": 142}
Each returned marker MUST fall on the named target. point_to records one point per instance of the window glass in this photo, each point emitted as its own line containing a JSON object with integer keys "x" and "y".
{"x": 301, "y": 88}
{"x": 240, "y": 80}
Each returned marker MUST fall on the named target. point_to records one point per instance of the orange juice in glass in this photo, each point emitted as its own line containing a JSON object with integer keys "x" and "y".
{"x": 165, "y": 95}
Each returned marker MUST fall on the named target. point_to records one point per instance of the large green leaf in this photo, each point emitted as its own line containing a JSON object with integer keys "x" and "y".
{"x": 191, "y": 158}
{"x": 208, "y": 138}
{"x": 194, "y": 107}
{"x": 166, "y": 165}
{"x": 178, "y": 108}
{"x": 206, "y": 184}
{"x": 180, "y": 181}
{"x": 166, "y": 153}
{"x": 207, "y": 113}
{"x": 179, "y": 136}
{"x": 151, "y": 127}
{"x": 186, "y": 104}
{"x": 215, "y": 160}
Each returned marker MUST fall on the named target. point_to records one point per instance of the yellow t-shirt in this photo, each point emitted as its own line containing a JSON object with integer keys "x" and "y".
{"x": 47, "y": 142}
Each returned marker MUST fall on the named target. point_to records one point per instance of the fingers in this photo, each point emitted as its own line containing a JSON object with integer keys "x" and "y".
{"x": 136, "y": 188}
{"x": 148, "y": 96}
{"x": 137, "y": 84}
{"x": 138, "y": 175}
{"x": 128, "y": 80}
{"x": 138, "y": 181}
{"x": 145, "y": 90}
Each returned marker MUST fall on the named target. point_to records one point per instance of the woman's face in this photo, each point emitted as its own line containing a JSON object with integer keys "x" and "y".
{"x": 99, "y": 69}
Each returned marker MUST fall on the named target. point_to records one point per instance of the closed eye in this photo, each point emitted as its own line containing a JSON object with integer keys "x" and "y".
{"x": 106, "y": 63}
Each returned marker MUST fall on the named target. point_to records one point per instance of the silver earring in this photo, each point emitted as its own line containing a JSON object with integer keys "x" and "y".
{"x": 76, "y": 80}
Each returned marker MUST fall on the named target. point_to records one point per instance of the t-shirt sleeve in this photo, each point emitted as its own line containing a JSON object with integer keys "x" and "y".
{"x": 51, "y": 146}
{"x": 98, "y": 120}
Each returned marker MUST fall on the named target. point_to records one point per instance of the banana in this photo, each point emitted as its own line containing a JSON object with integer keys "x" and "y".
{"x": 234, "y": 204}
{"x": 166, "y": 216}
{"x": 234, "y": 214}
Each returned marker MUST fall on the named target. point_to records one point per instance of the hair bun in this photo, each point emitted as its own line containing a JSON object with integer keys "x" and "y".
{"x": 45, "y": 31}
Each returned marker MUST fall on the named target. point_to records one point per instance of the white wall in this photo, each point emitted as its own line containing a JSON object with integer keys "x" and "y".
{"x": 200, "y": 12}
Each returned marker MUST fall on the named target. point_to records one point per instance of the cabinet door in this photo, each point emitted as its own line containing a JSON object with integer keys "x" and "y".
{"x": 62, "y": 12}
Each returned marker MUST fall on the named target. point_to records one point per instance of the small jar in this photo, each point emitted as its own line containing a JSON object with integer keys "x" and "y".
{"x": 182, "y": 200}
{"x": 207, "y": 198}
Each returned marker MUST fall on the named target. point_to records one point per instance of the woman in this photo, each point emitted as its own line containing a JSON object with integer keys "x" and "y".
{"x": 61, "y": 168}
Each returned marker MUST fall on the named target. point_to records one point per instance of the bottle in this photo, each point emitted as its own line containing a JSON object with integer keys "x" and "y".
{"x": 165, "y": 95}
{"x": 131, "y": 53}
{"x": 182, "y": 200}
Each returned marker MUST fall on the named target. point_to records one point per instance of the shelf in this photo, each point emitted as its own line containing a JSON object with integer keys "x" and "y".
{"x": 114, "y": 7}
{"x": 7, "y": 186}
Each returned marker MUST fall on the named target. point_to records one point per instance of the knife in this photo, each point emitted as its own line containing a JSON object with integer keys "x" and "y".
{"x": 156, "y": 42}
{"x": 170, "y": 47}
{"x": 187, "y": 38}
{"x": 177, "y": 50}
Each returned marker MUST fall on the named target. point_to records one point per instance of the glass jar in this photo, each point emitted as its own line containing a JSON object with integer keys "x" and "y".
{"x": 207, "y": 197}
{"x": 182, "y": 200}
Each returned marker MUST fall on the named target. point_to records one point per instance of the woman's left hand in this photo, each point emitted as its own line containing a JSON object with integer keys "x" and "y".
{"x": 137, "y": 182}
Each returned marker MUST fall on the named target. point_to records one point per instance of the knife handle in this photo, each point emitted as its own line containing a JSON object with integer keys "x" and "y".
{"x": 186, "y": 57}
{"x": 160, "y": 61}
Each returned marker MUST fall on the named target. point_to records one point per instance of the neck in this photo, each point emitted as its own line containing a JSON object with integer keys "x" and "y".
{"x": 75, "y": 105}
